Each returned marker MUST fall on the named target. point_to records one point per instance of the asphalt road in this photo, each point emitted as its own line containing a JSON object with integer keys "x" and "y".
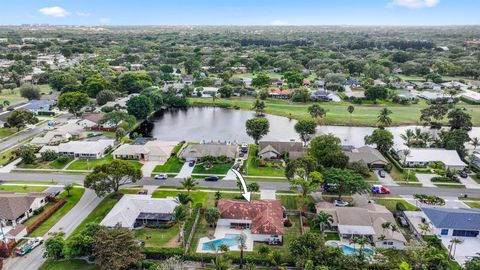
{"x": 12, "y": 141}
{"x": 34, "y": 259}
{"x": 78, "y": 178}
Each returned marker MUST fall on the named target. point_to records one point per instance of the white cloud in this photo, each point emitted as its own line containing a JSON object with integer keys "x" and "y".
{"x": 54, "y": 11}
{"x": 414, "y": 4}
{"x": 278, "y": 22}
{"x": 105, "y": 20}
{"x": 82, "y": 14}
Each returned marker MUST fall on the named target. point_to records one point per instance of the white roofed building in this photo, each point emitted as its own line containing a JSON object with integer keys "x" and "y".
{"x": 424, "y": 156}
{"x": 81, "y": 149}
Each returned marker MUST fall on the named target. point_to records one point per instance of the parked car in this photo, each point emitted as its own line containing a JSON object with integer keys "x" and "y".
{"x": 29, "y": 246}
{"x": 161, "y": 176}
{"x": 191, "y": 163}
{"x": 244, "y": 148}
{"x": 379, "y": 189}
{"x": 403, "y": 221}
{"x": 381, "y": 173}
{"x": 463, "y": 174}
{"x": 340, "y": 203}
{"x": 330, "y": 187}
{"x": 211, "y": 178}
{"x": 142, "y": 192}
{"x": 241, "y": 154}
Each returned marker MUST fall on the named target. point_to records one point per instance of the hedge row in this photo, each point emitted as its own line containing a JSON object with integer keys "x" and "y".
{"x": 394, "y": 162}
{"x": 469, "y": 100}
{"x": 190, "y": 221}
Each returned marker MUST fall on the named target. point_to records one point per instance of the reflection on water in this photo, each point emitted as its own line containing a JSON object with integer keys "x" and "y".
{"x": 218, "y": 124}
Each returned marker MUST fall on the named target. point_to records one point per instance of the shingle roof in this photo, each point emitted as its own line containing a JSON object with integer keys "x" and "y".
{"x": 266, "y": 215}
{"x": 280, "y": 147}
{"x": 14, "y": 205}
{"x": 203, "y": 150}
{"x": 366, "y": 154}
{"x": 453, "y": 218}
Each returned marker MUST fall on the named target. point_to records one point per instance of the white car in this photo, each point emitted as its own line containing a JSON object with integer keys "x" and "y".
{"x": 340, "y": 203}
{"x": 161, "y": 176}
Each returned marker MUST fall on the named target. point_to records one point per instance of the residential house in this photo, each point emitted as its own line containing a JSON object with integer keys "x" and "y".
{"x": 198, "y": 151}
{"x": 81, "y": 149}
{"x": 306, "y": 82}
{"x": 424, "y": 156}
{"x": 18, "y": 207}
{"x": 136, "y": 67}
{"x": 119, "y": 69}
{"x": 431, "y": 85}
{"x": 319, "y": 84}
{"x": 276, "y": 149}
{"x": 279, "y": 93}
{"x": 208, "y": 91}
{"x": 324, "y": 95}
{"x": 241, "y": 69}
{"x": 471, "y": 95}
{"x": 476, "y": 159}
{"x": 367, "y": 155}
{"x": 474, "y": 84}
{"x": 364, "y": 222}
{"x": 454, "y": 85}
{"x": 134, "y": 211}
{"x": 264, "y": 218}
{"x": 276, "y": 82}
{"x": 246, "y": 81}
{"x": 148, "y": 150}
{"x": 379, "y": 83}
{"x": 353, "y": 83}
{"x": 457, "y": 222}
{"x": 62, "y": 133}
{"x": 187, "y": 80}
{"x": 407, "y": 96}
{"x": 38, "y": 106}
{"x": 428, "y": 95}
{"x": 403, "y": 85}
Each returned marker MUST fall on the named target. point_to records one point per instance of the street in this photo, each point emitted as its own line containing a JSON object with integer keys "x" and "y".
{"x": 34, "y": 259}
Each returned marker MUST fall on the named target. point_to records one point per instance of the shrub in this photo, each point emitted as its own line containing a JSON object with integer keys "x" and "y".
{"x": 39, "y": 210}
{"x": 63, "y": 159}
{"x": 108, "y": 109}
{"x": 400, "y": 207}
{"x": 287, "y": 223}
{"x": 49, "y": 155}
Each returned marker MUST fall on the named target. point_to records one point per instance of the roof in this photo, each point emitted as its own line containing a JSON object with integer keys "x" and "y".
{"x": 454, "y": 218}
{"x": 131, "y": 206}
{"x": 448, "y": 157}
{"x": 433, "y": 95}
{"x": 279, "y": 147}
{"x": 266, "y": 215}
{"x": 366, "y": 154}
{"x": 15, "y": 204}
{"x": 153, "y": 148}
{"x": 38, "y": 105}
{"x": 94, "y": 117}
{"x": 203, "y": 150}
{"x": 92, "y": 147}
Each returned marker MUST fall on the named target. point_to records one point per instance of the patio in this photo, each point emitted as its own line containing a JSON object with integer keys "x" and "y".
{"x": 464, "y": 251}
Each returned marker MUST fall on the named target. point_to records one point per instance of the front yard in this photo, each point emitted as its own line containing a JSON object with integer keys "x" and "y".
{"x": 391, "y": 205}
{"x": 217, "y": 168}
{"x": 89, "y": 164}
{"x": 21, "y": 189}
{"x": 173, "y": 165}
{"x": 40, "y": 164}
{"x": 253, "y": 167}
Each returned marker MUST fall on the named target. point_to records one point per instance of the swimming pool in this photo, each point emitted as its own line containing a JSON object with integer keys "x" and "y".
{"x": 348, "y": 250}
{"x": 229, "y": 240}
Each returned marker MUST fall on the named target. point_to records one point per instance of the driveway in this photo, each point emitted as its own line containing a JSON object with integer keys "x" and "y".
{"x": 148, "y": 167}
{"x": 469, "y": 182}
{"x": 425, "y": 179}
{"x": 34, "y": 259}
{"x": 185, "y": 172}
{"x": 387, "y": 180}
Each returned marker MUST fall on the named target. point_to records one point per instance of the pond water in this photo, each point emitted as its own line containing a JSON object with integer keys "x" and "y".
{"x": 218, "y": 124}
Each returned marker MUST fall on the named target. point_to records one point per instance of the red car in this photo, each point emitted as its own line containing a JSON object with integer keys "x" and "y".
{"x": 379, "y": 189}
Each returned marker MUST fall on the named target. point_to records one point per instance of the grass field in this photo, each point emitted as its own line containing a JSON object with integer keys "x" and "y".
{"x": 391, "y": 205}
{"x": 13, "y": 95}
{"x": 71, "y": 201}
{"x": 5, "y": 132}
{"x": 217, "y": 168}
{"x": 364, "y": 115}
{"x": 73, "y": 264}
{"x": 173, "y": 165}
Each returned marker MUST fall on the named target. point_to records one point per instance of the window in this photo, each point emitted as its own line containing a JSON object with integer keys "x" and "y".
{"x": 444, "y": 232}
{"x": 465, "y": 233}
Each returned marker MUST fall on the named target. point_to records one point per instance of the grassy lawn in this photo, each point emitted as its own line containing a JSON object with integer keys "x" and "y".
{"x": 391, "y": 205}
{"x": 156, "y": 237}
{"x": 475, "y": 178}
{"x": 217, "y": 168}
{"x": 6, "y": 157}
{"x": 402, "y": 177}
{"x": 40, "y": 164}
{"x": 22, "y": 189}
{"x": 197, "y": 196}
{"x": 88, "y": 164}
{"x": 290, "y": 202}
{"x": 269, "y": 170}
{"x": 71, "y": 201}
{"x": 5, "y": 132}
{"x": 173, "y": 165}
{"x": 31, "y": 182}
{"x": 13, "y": 95}
{"x": 73, "y": 264}
{"x": 473, "y": 204}
{"x": 364, "y": 115}
{"x": 449, "y": 186}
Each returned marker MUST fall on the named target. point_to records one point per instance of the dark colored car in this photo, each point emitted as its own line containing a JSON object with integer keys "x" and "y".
{"x": 381, "y": 173}
{"x": 191, "y": 163}
{"x": 330, "y": 188}
{"x": 211, "y": 178}
{"x": 463, "y": 174}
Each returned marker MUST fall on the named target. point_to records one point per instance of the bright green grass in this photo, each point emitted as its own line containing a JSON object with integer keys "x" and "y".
{"x": 156, "y": 237}
{"x": 364, "y": 115}
{"x": 73, "y": 264}
{"x": 75, "y": 195}
{"x": 32, "y": 182}
{"x": 197, "y": 196}
{"x": 289, "y": 202}
{"x": 40, "y": 164}
{"x": 391, "y": 205}
{"x": 173, "y": 165}
{"x": 217, "y": 168}
{"x": 5, "y": 132}
{"x": 6, "y": 156}
{"x": 88, "y": 164}
{"x": 473, "y": 204}
{"x": 21, "y": 189}
{"x": 13, "y": 95}
{"x": 254, "y": 170}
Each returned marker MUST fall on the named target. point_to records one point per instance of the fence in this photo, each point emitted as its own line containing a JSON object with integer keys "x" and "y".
{"x": 45, "y": 215}
{"x": 192, "y": 232}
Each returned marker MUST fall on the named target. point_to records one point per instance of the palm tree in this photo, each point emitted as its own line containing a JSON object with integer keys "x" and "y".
{"x": 183, "y": 198}
{"x": 350, "y": 110}
{"x": 453, "y": 246}
{"x": 323, "y": 220}
{"x": 384, "y": 117}
{"x": 68, "y": 188}
{"x": 354, "y": 241}
{"x": 242, "y": 245}
{"x": 189, "y": 184}
{"x": 362, "y": 242}
{"x": 221, "y": 263}
{"x": 475, "y": 142}
{"x": 408, "y": 137}
{"x": 179, "y": 216}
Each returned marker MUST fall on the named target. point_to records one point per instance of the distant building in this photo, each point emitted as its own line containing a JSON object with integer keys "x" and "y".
{"x": 275, "y": 149}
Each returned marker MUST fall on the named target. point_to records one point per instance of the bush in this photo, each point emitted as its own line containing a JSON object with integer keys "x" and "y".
{"x": 63, "y": 159}
{"x": 159, "y": 225}
{"x": 400, "y": 207}
{"x": 46, "y": 113}
{"x": 429, "y": 199}
{"x": 39, "y": 210}
{"x": 49, "y": 155}
{"x": 108, "y": 109}
{"x": 287, "y": 223}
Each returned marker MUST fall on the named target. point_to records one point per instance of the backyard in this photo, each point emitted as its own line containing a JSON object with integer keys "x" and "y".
{"x": 158, "y": 237}
{"x": 13, "y": 95}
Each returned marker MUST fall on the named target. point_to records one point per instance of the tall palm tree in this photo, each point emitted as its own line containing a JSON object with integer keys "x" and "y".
{"x": 362, "y": 242}
{"x": 189, "y": 183}
{"x": 179, "y": 216}
{"x": 350, "y": 110}
{"x": 242, "y": 245}
{"x": 475, "y": 142}
{"x": 453, "y": 246}
{"x": 384, "y": 118}
{"x": 323, "y": 220}
{"x": 408, "y": 137}
{"x": 354, "y": 241}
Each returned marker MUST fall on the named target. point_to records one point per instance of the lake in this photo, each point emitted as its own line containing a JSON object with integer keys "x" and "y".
{"x": 219, "y": 124}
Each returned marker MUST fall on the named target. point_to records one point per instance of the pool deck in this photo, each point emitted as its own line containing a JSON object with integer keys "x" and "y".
{"x": 220, "y": 233}
{"x": 346, "y": 243}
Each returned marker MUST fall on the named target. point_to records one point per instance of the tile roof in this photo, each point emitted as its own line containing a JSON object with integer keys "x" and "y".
{"x": 266, "y": 215}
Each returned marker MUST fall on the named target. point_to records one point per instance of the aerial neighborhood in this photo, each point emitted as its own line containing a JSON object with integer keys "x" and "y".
{"x": 232, "y": 147}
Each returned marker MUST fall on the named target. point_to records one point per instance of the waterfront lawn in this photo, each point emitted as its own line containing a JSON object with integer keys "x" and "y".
{"x": 173, "y": 165}
{"x": 217, "y": 168}
{"x": 72, "y": 264}
{"x": 158, "y": 237}
{"x": 391, "y": 205}
{"x": 273, "y": 168}
{"x": 22, "y": 189}
{"x": 5, "y": 132}
{"x": 70, "y": 202}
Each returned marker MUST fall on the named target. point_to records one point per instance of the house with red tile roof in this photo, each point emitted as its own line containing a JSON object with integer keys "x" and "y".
{"x": 264, "y": 218}
{"x": 275, "y": 92}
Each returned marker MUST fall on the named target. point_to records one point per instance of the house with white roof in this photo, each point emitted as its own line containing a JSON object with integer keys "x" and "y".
{"x": 138, "y": 210}
{"x": 428, "y": 95}
{"x": 152, "y": 150}
{"x": 81, "y": 149}
{"x": 63, "y": 133}
{"x": 424, "y": 156}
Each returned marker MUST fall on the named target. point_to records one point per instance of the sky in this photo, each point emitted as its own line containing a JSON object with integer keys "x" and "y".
{"x": 245, "y": 12}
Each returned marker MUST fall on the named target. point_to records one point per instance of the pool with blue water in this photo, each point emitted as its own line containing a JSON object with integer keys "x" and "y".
{"x": 229, "y": 240}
